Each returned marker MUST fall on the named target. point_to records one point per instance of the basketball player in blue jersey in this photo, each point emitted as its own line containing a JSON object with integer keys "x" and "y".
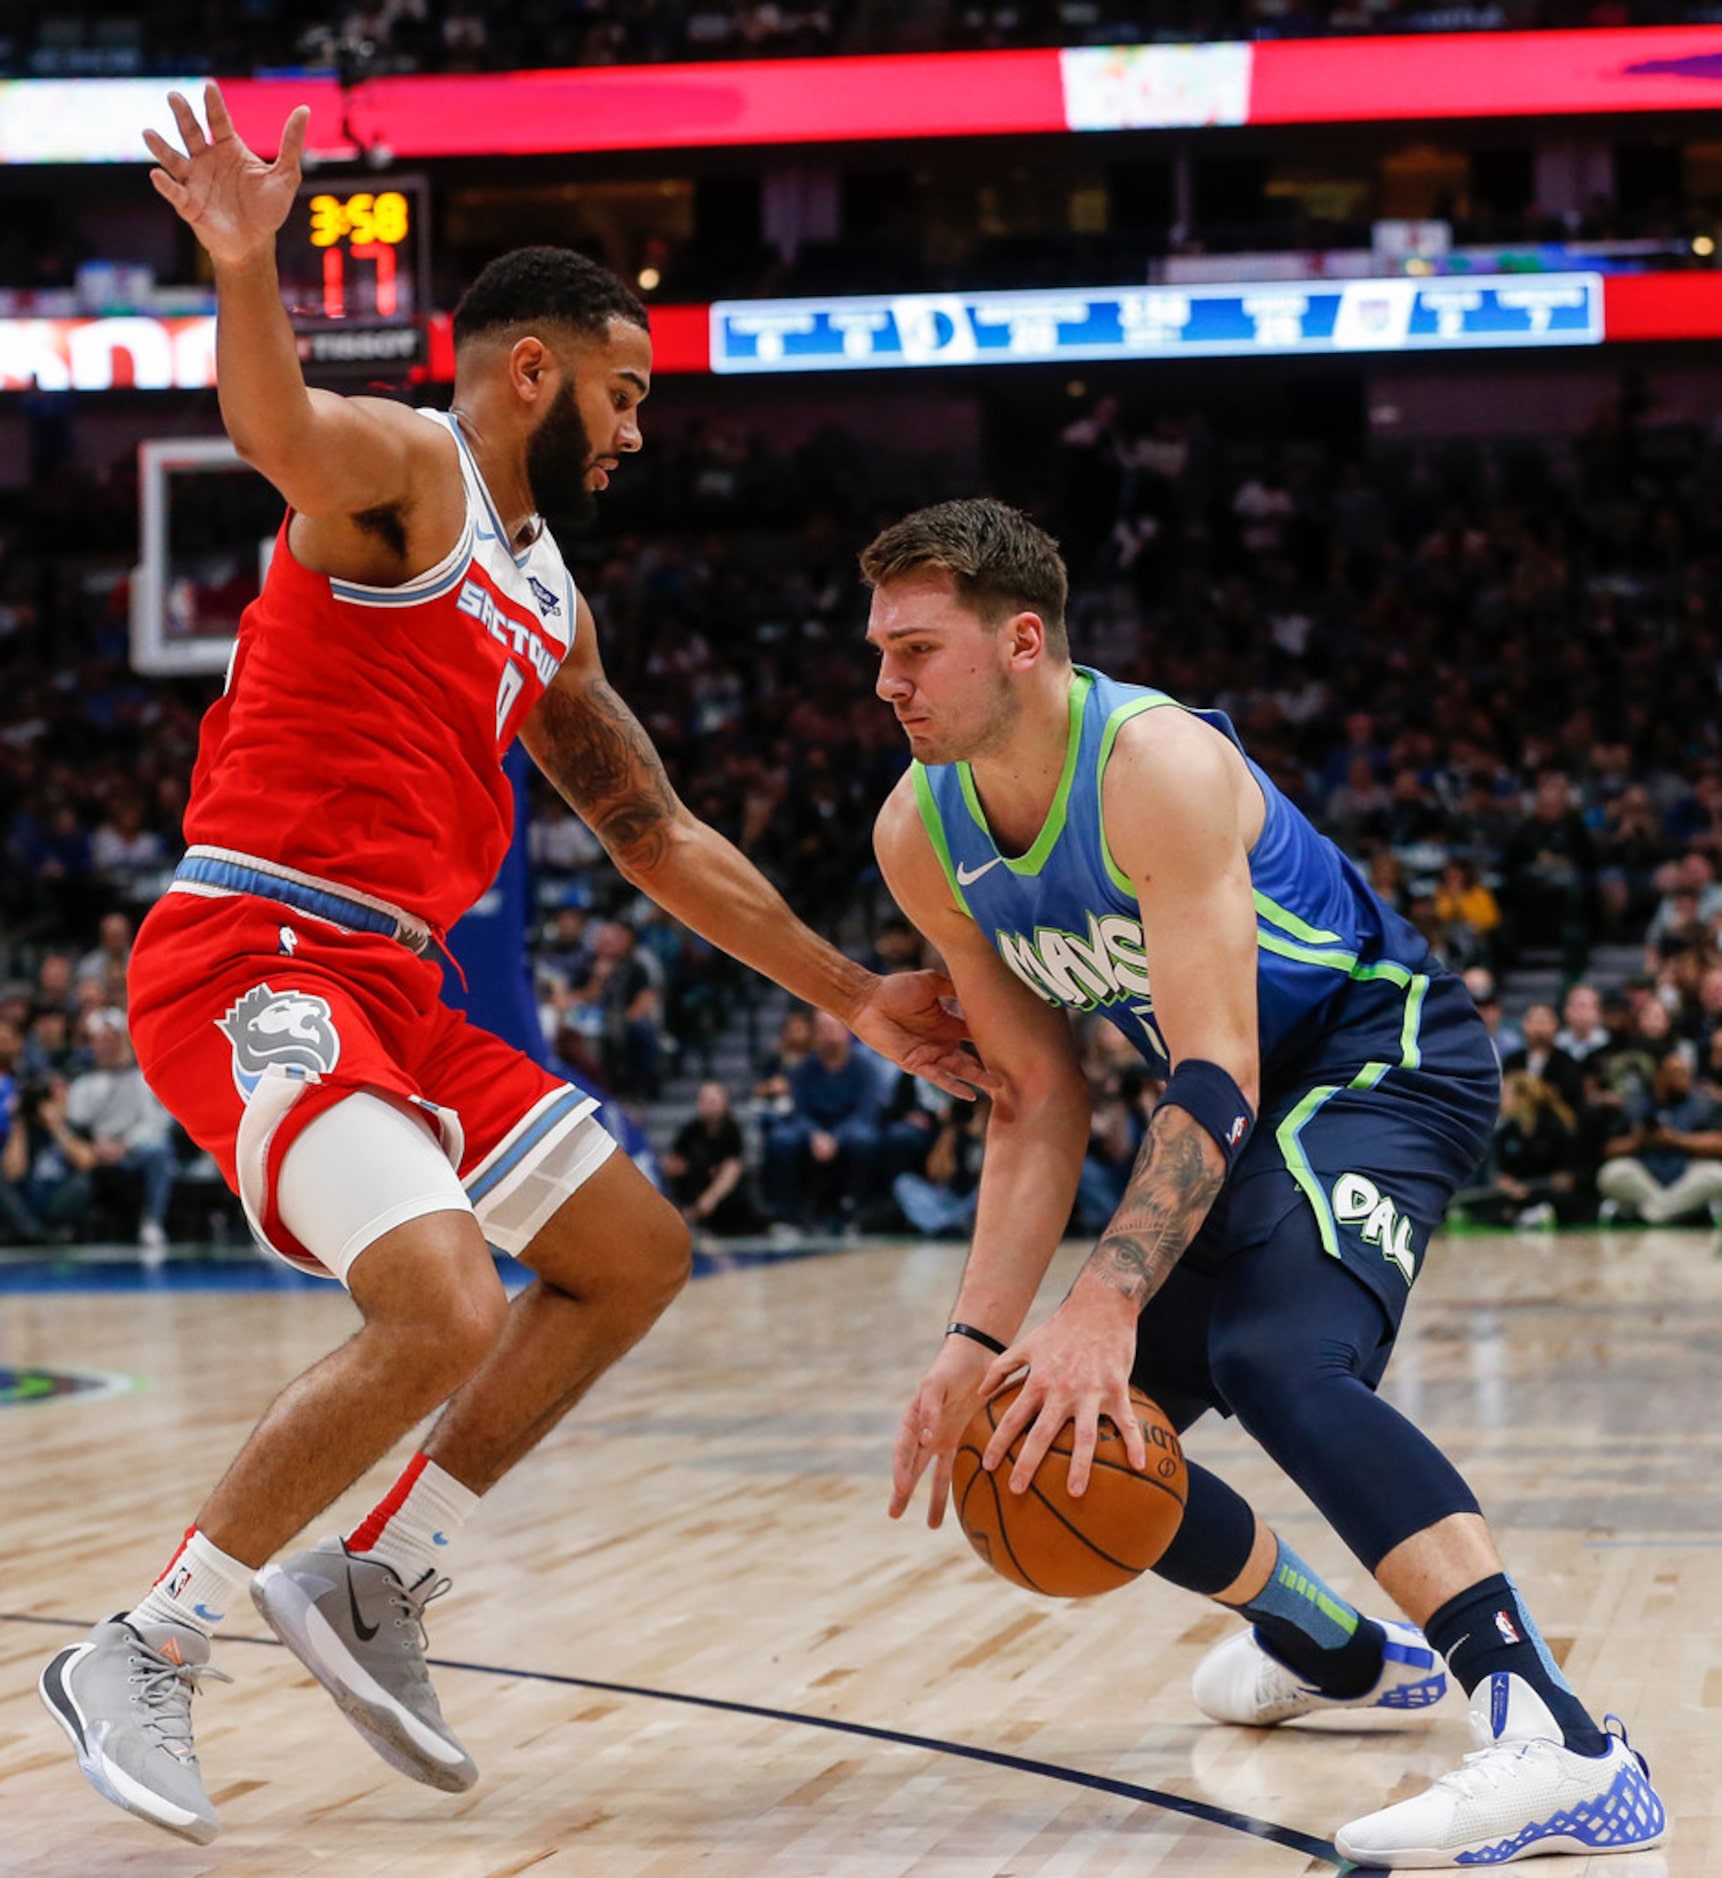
{"x": 1070, "y": 843}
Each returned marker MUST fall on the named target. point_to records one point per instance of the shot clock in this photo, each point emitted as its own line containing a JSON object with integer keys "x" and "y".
{"x": 353, "y": 258}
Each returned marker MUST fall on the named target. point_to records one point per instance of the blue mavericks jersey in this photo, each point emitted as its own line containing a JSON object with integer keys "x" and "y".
{"x": 1065, "y": 918}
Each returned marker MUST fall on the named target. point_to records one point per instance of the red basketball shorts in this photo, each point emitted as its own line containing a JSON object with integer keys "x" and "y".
{"x": 250, "y": 1019}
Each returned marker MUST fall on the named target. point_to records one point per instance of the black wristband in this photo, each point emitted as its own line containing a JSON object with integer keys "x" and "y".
{"x": 1209, "y": 1095}
{"x": 976, "y": 1336}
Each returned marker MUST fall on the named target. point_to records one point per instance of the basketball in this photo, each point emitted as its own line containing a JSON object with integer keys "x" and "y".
{"x": 1046, "y": 1541}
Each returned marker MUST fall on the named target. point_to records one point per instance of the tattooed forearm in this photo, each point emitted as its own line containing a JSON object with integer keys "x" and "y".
{"x": 592, "y": 748}
{"x": 1177, "y": 1174}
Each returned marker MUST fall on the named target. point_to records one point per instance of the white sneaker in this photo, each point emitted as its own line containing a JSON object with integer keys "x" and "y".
{"x": 1521, "y": 1794}
{"x": 1239, "y": 1681}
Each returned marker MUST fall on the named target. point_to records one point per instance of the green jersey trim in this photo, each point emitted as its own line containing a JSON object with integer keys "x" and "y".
{"x": 1288, "y": 922}
{"x": 1114, "y": 724}
{"x": 1335, "y": 959}
{"x": 1288, "y": 1136}
{"x": 1044, "y": 843}
{"x": 934, "y": 823}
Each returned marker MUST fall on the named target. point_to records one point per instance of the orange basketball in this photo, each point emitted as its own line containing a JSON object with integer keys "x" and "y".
{"x": 1065, "y": 1548}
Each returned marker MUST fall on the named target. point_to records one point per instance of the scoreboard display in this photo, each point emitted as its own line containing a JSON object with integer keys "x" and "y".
{"x": 354, "y": 261}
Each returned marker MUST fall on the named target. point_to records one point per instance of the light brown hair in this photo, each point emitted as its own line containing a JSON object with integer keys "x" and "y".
{"x": 1000, "y": 562}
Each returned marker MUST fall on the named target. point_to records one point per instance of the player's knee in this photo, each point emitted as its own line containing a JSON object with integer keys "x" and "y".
{"x": 1269, "y": 1383}
{"x": 461, "y": 1323}
{"x": 475, "y": 1315}
{"x": 665, "y": 1260}
{"x": 434, "y": 1293}
{"x": 627, "y": 1258}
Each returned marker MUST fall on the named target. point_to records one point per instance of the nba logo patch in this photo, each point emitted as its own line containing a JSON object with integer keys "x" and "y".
{"x": 1509, "y": 1632}
{"x": 178, "y": 1582}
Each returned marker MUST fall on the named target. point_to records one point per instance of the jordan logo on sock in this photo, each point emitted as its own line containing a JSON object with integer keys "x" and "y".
{"x": 1509, "y": 1632}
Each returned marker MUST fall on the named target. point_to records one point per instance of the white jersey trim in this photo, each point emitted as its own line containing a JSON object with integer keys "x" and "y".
{"x": 475, "y": 479}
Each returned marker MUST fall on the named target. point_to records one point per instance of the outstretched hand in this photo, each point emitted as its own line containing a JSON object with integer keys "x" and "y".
{"x": 906, "y": 1019}
{"x": 233, "y": 200}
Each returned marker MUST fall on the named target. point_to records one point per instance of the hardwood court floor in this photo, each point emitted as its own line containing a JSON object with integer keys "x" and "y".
{"x": 685, "y": 1640}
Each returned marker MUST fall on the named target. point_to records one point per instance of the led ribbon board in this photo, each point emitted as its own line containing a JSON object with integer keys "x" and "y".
{"x": 882, "y": 332}
{"x": 1025, "y": 92}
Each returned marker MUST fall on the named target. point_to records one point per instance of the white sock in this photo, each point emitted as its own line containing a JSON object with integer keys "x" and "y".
{"x": 411, "y": 1527}
{"x": 199, "y": 1587}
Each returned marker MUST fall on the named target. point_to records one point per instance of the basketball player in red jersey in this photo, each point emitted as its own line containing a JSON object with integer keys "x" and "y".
{"x": 348, "y": 806}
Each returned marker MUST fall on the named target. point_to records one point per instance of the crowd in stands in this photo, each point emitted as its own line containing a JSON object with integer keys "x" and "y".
{"x": 1612, "y": 1106}
{"x": 1492, "y": 671}
{"x": 86, "y": 1150}
{"x": 153, "y": 37}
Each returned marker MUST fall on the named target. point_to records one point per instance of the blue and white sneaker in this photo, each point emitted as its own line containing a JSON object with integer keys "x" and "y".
{"x": 1240, "y": 1681}
{"x": 1522, "y": 1794}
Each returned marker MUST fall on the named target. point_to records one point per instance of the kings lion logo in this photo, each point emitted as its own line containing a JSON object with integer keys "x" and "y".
{"x": 293, "y": 1029}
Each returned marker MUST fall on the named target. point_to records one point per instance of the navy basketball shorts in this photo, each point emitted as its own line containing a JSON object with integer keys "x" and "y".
{"x": 1352, "y": 1163}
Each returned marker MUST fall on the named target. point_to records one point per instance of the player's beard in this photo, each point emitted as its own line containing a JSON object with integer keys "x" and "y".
{"x": 558, "y": 457}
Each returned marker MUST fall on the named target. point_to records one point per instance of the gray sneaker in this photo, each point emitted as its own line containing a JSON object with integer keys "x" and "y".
{"x": 123, "y": 1696}
{"x": 360, "y": 1632}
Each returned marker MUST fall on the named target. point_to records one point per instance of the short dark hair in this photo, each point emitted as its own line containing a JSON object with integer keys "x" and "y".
{"x": 550, "y": 286}
{"x": 1000, "y": 561}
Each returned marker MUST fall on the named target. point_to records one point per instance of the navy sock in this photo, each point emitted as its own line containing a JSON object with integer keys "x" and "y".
{"x": 1313, "y": 1630}
{"x": 1488, "y": 1628}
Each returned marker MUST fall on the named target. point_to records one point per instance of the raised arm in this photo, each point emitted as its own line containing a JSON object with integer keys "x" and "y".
{"x": 591, "y": 746}
{"x": 1178, "y": 807}
{"x": 327, "y": 455}
{"x": 1036, "y": 1139}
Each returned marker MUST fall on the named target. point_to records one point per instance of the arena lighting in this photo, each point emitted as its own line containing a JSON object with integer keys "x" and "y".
{"x": 141, "y": 352}
{"x": 935, "y": 94}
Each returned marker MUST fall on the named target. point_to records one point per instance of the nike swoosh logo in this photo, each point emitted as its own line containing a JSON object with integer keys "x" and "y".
{"x": 208, "y": 1616}
{"x": 365, "y": 1632}
{"x": 438, "y": 1538}
{"x": 966, "y": 876}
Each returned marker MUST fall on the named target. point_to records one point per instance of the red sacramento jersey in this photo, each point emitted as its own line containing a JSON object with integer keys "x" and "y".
{"x": 360, "y": 734}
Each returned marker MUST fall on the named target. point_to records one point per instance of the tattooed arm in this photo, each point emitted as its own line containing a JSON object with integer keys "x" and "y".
{"x": 1181, "y": 812}
{"x": 593, "y": 749}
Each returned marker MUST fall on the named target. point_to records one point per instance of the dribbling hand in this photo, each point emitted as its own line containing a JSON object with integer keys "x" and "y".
{"x": 1078, "y": 1370}
{"x": 233, "y": 200}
